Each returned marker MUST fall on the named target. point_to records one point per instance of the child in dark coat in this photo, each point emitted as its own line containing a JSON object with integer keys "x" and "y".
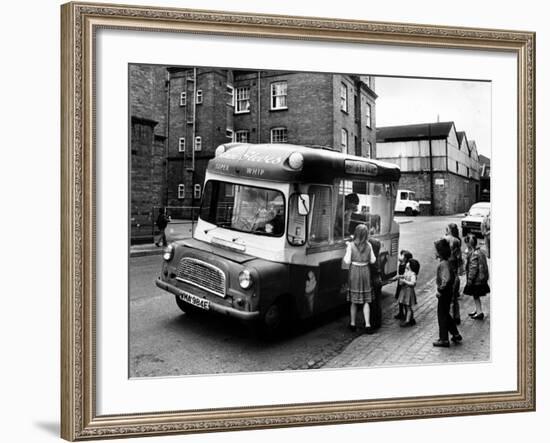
{"x": 445, "y": 279}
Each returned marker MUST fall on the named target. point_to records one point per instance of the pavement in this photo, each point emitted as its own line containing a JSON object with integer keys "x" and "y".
{"x": 176, "y": 230}
{"x": 393, "y": 345}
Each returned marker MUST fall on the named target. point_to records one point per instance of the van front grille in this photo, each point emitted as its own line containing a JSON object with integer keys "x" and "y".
{"x": 202, "y": 275}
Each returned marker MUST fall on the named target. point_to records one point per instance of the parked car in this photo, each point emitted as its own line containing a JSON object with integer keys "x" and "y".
{"x": 405, "y": 202}
{"x": 471, "y": 223}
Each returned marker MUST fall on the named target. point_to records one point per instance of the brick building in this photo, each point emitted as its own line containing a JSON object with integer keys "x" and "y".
{"x": 438, "y": 163}
{"x": 148, "y": 127}
{"x": 189, "y": 112}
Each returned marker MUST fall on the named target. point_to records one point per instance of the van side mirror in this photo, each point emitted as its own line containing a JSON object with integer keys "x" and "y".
{"x": 303, "y": 204}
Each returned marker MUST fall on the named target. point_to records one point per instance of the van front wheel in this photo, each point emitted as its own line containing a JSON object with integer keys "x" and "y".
{"x": 408, "y": 211}
{"x": 273, "y": 322}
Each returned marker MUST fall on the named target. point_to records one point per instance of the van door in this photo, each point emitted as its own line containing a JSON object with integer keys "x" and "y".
{"x": 323, "y": 253}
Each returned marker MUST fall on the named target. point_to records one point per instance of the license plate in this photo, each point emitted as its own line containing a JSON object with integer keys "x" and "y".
{"x": 195, "y": 301}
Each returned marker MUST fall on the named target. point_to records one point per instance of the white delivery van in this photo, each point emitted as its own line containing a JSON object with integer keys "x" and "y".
{"x": 405, "y": 202}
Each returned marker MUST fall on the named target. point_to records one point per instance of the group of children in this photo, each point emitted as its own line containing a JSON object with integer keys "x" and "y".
{"x": 451, "y": 264}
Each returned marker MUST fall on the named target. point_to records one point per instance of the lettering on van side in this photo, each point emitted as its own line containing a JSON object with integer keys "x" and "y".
{"x": 222, "y": 167}
{"x": 257, "y": 172}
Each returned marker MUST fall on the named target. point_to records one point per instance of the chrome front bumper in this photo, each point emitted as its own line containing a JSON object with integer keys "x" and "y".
{"x": 225, "y": 310}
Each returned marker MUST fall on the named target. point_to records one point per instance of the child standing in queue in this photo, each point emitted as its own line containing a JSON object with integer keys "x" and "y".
{"x": 445, "y": 279}
{"x": 477, "y": 275}
{"x": 404, "y": 257}
{"x": 407, "y": 295}
{"x": 359, "y": 255}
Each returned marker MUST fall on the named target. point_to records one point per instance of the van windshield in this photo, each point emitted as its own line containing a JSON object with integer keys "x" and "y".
{"x": 244, "y": 208}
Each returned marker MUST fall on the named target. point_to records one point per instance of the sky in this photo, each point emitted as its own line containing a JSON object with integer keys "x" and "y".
{"x": 403, "y": 101}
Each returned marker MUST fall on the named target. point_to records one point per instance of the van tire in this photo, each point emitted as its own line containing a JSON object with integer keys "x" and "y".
{"x": 274, "y": 321}
{"x": 408, "y": 211}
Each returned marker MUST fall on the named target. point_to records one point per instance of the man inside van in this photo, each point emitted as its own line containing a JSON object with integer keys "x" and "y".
{"x": 343, "y": 218}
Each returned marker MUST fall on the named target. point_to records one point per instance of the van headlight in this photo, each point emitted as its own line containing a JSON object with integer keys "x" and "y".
{"x": 168, "y": 252}
{"x": 245, "y": 279}
{"x": 296, "y": 161}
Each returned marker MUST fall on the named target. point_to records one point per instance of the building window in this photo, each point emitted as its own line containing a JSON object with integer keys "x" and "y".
{"x": 344, "y": 141}
{"x": 197, "y": 191}
{"x": 278, "y": 95}
{"x": 181, "y": 144}
{"x": 229, "y": 134}
{"x": 369, "y": 116}
{"x": 279, "y": 135}
{"x": 369, "y": 150}
{"x": 199, "y": 96}
{"x": 230, "y": 91}
{"x": 181, "y": 191}
{"x": 183, "y": 99}
{"x": 241, "y": 136}
{"x": 198, "y": 143}
{"x": 243, "y": 100}
{"x": 343, "y": 97}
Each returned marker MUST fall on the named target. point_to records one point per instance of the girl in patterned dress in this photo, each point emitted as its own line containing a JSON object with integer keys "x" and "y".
{"x": 407, "y": 295}
{"x": 359, "y": 255}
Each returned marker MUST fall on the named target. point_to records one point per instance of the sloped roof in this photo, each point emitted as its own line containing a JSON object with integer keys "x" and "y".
{"x": 421, "y": 131}
{"x": 460, "y": 135}
{"x": 484, "y": 160}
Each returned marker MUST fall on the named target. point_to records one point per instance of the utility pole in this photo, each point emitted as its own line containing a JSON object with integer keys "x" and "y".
{"x": 432, "y": 202}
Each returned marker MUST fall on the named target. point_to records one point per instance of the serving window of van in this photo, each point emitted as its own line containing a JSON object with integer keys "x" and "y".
{"x": 363, "y": 202}
{"x": 336, "y": 210}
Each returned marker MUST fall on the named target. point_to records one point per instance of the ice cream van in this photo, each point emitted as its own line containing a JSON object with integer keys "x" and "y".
{"x": 272, "y": 230}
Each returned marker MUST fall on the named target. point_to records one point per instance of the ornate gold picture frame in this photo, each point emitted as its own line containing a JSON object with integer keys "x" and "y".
{"x": 79, "y": 417}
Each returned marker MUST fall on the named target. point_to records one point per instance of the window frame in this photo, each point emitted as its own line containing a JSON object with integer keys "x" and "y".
{"x": 329, "y": 243}
{"x": 285, "y": 206}
{"x": 199, "y": 97}
{"x": 240, "y": 132}
{"x": 197, "y": 143}
{"x": 230, "y": 134}
{"x": 368, "y": 115}
{"x": 240, "y": 100}
{"x": 197, "y": 186}
{"x": 230, "y": 91}
{"x": 343, "y": 97}
{"x": 181, "y": 144}
{"x": 307, "y": 217}
{"x": 278, "y": 128}
{"x": 183, "y": 99}
{"x": 274, "y": 97}
{"x": 345, "y": 147}
{"x": 181, "y": 191}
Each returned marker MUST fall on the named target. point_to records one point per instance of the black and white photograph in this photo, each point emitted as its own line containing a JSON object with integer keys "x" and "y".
{"x": 285, "y": 220}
